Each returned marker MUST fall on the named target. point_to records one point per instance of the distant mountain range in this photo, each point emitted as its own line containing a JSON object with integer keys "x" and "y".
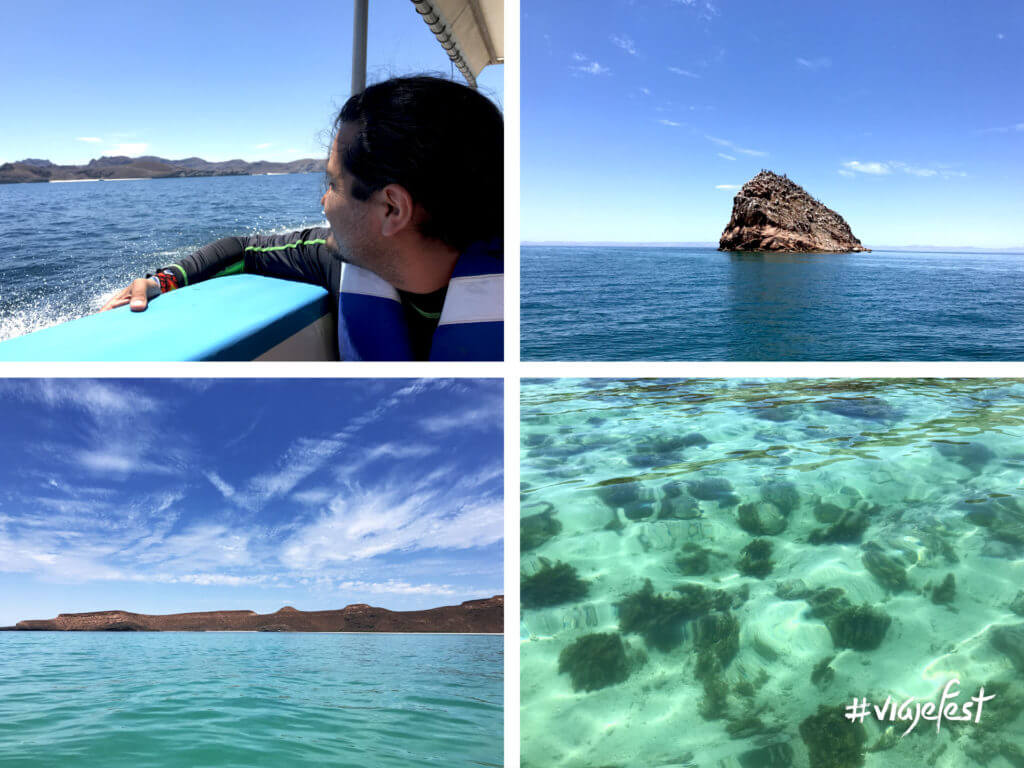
{"x": 147, "y": 167}
{"x": 484, "y": 616}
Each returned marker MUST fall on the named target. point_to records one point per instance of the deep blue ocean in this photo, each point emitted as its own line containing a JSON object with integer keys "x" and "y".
{"x": 655, "y": 303}
{"x": 170, "y": 699}
{"x": 65, "y": 248}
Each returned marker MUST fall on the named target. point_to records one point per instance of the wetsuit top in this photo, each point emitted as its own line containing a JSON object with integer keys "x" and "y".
{"x": 304, "y": 256}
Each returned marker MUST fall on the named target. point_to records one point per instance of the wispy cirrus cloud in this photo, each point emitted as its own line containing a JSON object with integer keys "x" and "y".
{"x": 873, "y": 169}
{"x": 89, "y": 139}
{"x": 735, "y": 148}
{"x": 725, "y": 156}
{"x": 625, "y": 44}
{"x": 822, "y": 62}
{"x": 852, "y": 167}
{"x": 1015, "y": 128}
{"x": 588, "y": 66}
{"x": 683, "y": 72}
{"x": 671, "y": 123}
{"x": 727, "y": 186}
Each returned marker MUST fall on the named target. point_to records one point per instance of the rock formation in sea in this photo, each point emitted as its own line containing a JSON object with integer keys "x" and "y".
{"x": 471, "y": 616}
{"x": 771, "y": 213}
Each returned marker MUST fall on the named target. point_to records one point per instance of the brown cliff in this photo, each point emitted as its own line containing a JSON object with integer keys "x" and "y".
{"x": 471, "y": 616}
{"x": 771, "y": 213}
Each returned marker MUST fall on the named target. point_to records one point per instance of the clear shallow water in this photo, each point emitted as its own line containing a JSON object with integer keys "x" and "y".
{"x": 64, "y": 248}
{"x": 630, "y": 303}
{"x": 248, "y": 699}
{"x": 630, "y": 481}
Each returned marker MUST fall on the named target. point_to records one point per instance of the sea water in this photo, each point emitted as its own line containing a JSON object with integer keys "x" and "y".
{"x": 66, "y": 248}
{"x": 633, "y": 482}
{"x": 633, "y": 303}
{"x": 173, "y": 699}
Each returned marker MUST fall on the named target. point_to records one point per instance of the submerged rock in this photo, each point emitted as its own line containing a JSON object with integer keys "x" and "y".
{"x": 945, "y": 592}
{"x": 832, "y": 740}
{"x": 693, "y": 560}
{"x": 888, "y": 571}
{"x": 861, "y": 628}
{"x": 778, "y": 755}
{"x": 536, "y": 529}
{"x": 1017, "y": 605}
{"x": 761, "y": 519}
{"x": 863, "y": 407}
{"x": 552, "y": 585}
{"x": 594, "y": 662}
{"x": 1009, "y": 640}
{"x": 755, "y": 559}
{"x": 974, "y": 456}
{"x": 846, "y": 530}
{"x": 771, "y": 213}
{"x": 713, "y": 489}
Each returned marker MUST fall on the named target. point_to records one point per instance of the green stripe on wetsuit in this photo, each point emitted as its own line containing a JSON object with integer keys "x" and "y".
{"x": 239, "y": 267}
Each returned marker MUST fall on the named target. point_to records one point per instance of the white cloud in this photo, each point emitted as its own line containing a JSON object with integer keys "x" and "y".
{"x": 625, "y": 44}
{"x": 593, "y": 68}
{"x": 264, "y": 145}
{"x": 875, "y": 169}
{"x": 726, "y": 157}
{"x": 393, "y": 587}
{"x": 131, "y": 150}
{"x": 819, "y": 63}
{"x": 684, "y": 72}
{"x": 485, "y": 417}
{"x": 292, "y": 151}
{"x": 400, "y": 451}
{"x": 1000, "y": 36}
{"x": 362, "y": 524}
{"x": 225, "y": 488}
{"x": 734, "y": 148}
{"x": 302, "y": 459}
{"x": 205, "y": 546}
{"x": 727, "y": 186}
{"x": 90, "y": 139}
{"x": 645, "y": 91}
{"x": 844, "y": 172}
{"x": 670, "y": 122}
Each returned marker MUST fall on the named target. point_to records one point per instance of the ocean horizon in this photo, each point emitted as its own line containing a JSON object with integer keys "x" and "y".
{"x": 659, "y": 302}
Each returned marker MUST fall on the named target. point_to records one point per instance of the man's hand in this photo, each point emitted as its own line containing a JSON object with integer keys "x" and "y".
{"x": 136, "y": 295}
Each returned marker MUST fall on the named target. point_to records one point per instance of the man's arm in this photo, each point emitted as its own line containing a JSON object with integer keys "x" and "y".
{"x": 306, "y": 256}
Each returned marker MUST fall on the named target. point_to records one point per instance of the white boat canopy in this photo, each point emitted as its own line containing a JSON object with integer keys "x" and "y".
{"x": 471, "y": 31}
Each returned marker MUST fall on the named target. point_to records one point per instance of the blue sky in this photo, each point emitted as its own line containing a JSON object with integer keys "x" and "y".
{"x": 258, "y": 79}
{"x": 162, "y": 496}
{"x": 640, "y": 120}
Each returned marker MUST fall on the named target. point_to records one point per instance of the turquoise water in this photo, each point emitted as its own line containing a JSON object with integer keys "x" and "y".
{"x": 635, "y": 303}
{"x": 67, "y": 247}
{"x": 879, "y": 490}
{"x": 249, "y": 699}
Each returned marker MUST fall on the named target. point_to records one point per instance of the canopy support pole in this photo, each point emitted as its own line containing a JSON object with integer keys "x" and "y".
{"x": 359, "y": 24}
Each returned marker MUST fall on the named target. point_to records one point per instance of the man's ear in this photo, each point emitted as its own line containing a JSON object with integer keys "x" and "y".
{"x": 398, "y": 210}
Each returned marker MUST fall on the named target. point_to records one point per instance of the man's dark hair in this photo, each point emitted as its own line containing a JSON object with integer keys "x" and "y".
{"x": 440, "y": 140}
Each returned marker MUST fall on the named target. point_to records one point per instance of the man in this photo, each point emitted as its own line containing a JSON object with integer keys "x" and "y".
{"x": 413, "y": 254}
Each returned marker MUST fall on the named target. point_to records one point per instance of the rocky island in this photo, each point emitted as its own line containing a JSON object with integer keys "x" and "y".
{"x": 147, "y": 167}
{"x": 477, "y": 616}
{"x": 771, "y": 213}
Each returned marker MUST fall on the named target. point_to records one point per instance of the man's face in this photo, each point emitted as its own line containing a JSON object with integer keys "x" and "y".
{"x": 350, "y": 219}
